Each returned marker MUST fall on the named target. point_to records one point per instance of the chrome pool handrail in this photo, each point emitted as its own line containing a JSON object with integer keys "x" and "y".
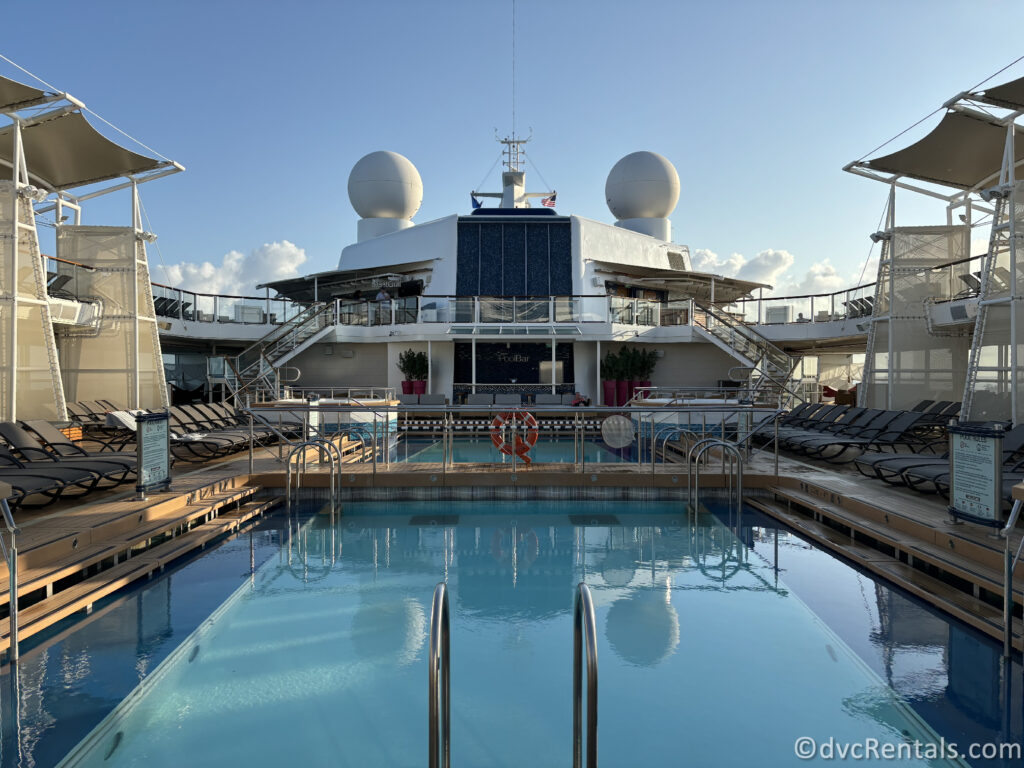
{"x": 334, "y": 452}
{"x": 439, "y": 681}
{"x": 10, "y": 552}
{"x": 316, "y": 442}
{"x": 666, "y": 436}
{"x": 735, "y": 453}
{"x": 584, "y": 630}
{"x": 690, "y": 469}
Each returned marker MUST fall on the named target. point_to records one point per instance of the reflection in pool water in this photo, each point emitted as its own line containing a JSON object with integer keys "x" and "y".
{"x": 698, "y": 626}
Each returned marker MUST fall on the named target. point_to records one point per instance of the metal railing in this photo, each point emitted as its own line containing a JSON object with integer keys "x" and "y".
{"x": 382, "y": 427}
{"x": 10, "y": 553}
{"x": 1009, "y": 565}
{"x": 584, "y": 637}
{"x": 735, "y": 491}
{"x": 322, "y": 445}
{"x": 439, "y": 713}
{"x": 179, "y": 304}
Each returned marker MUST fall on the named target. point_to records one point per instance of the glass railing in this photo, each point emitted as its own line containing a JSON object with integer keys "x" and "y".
{"x": 958, "y": 279}
{"x": 176, "y": 303}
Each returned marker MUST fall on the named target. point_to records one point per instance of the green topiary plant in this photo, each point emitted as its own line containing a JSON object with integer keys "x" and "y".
{"x": 407, "y": 364}
{"x": 610, "y": 367}
{"x": 421, "y": 366}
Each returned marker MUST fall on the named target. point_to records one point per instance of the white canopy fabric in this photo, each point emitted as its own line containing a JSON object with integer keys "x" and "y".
{"x": 66, "y": 151}
{"x": 963, "y": 151}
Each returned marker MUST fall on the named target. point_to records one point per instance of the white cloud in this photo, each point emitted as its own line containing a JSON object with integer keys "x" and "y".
{"x": 238, "y": 274}
{"x": 766, "y": 267}
{"x": 773, "y": 266}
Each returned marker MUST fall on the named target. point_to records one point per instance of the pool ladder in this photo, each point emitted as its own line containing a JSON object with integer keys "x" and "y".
{"x": 323, "y": 446}
{"x": 584, "y": 650}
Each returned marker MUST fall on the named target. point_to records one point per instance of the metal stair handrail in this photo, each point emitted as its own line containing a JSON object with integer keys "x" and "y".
{"x": 769, "y": 352}
{"x": 439, "y": 710}
{"x": 584, "y": 634}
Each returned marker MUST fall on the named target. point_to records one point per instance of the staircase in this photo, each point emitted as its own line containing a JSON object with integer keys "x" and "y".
{"x": 768, "y": 368}
{"x": 991, "y": 287}
{"x": 255, "y": 374}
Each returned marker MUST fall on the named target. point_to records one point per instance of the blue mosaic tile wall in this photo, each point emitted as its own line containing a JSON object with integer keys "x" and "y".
{"x": 514, "y": 258}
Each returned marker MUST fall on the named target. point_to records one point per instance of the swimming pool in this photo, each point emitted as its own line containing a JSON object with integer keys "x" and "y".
{"x": 548, "y": 450}
{"x": 707, "y": 654}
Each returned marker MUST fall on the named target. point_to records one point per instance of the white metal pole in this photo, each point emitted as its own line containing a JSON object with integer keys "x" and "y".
{"x": 1014, "y": 311}
{"x": 430, "y": 367}
{"x": 473, "y": 369}
{"x": 12, "y": 278}
{"x": 553, "y": 364}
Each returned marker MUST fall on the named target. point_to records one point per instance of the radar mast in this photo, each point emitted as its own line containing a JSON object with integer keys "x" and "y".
{"x": 513, "y": 179}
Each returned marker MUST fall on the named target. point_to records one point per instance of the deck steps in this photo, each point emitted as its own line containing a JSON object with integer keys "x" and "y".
{"x": 965, "y": 607}
{"x": 84, "y": 594}
{"x": 43, "y": 566}
{"x": 913, "y": 540}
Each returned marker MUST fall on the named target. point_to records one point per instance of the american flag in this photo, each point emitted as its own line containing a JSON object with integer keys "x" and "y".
{"x": 549, "y": 202}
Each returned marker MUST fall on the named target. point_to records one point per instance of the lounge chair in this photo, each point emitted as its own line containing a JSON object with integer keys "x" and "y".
{"x": 34, "y": 455}
{"x": 57, "y": 443}
{"x": 508, "y": 399}
{"x": 480, "y": 398}
{"x": 63, "y": 478}
{"x": 433, "y": 400}
{"x": 546, "y": 398}
{"x": 897, "y": 431}
{"x": 847, "y": 417}
{"x": 848, "y": 424}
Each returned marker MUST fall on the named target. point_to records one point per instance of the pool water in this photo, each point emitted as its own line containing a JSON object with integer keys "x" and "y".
{"x": 472, "y": 450}
{"x": 707, "y": 655}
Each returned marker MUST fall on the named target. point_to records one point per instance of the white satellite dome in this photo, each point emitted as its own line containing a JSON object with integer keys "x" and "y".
{"x": 642, "y": 185}
{"x": 385, "y": 185}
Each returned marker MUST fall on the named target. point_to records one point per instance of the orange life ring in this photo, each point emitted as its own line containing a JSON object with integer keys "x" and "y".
{"x": 524, "y": 442}
{"x": 529, "y": 538}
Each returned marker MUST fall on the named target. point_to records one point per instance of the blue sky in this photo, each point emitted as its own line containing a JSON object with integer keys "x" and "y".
{"x": 758, "y": 105}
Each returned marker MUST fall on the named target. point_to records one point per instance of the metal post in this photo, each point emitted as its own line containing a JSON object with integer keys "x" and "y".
{"x": 250, "y": 444}
{"x": 439, "y": 681}
{"x": 11, "y": 555}
{"x": 554, "y": 362}
{"x": 1009, "y": 561}
{"x": 374, "y": 442}
{"x": 584, "y": 635}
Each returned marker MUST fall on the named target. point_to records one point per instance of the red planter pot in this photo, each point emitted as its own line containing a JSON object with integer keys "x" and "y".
{"x": 645, "y": 384}
{"x": 419, "y": 388}
{"x": 608, "y": 388}
{"x": 406, "y": 387}
{"x": 621, "y": 393}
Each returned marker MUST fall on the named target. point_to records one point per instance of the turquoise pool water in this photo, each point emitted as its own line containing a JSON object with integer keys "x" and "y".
{"x": 707, "y": 657}
{"x": 470, "y": 450}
